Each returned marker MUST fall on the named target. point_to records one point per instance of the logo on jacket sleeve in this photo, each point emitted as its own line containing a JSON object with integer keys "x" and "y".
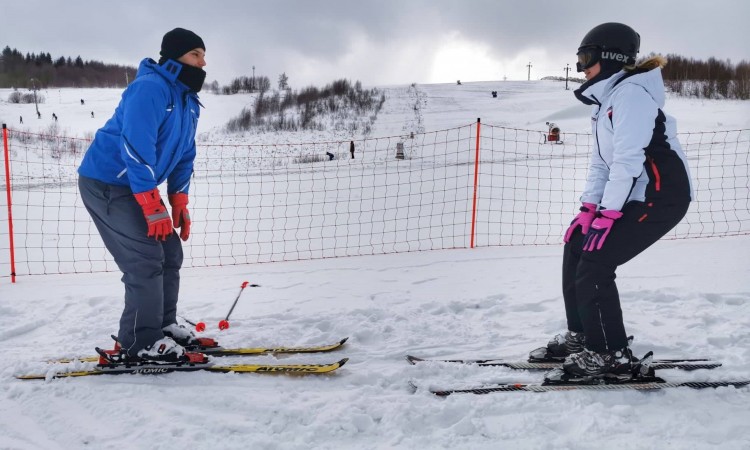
{"x": 609, "y": 113}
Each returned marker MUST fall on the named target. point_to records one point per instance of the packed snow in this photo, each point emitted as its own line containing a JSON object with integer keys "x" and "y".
{"x": 681, "y": 298}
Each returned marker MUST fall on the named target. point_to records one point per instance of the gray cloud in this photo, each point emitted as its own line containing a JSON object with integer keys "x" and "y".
{"x": 379, "y": 42}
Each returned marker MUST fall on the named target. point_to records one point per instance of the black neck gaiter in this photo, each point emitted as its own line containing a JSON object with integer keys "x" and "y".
{"x": 193, "y": 77}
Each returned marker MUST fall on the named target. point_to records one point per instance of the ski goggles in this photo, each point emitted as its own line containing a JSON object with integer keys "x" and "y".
{"x": 587, "y": 57}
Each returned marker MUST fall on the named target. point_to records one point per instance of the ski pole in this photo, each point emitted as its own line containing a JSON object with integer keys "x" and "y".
{"x": 224, "y": 324}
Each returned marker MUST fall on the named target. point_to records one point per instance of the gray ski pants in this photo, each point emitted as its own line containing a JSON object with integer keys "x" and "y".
{"x": 150, "y": 268}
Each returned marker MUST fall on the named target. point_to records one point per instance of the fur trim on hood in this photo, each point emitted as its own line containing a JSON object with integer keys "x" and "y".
{"x": 653, "y": 62}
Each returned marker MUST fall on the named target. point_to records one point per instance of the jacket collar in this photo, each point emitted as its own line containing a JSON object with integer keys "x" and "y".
{"x": 598, "y": 89}
{"x": 169, "y": 71}
{"x": 593, "y": 91}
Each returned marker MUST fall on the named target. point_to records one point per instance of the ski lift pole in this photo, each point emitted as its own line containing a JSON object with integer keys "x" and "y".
{"x": 476, "y": 185}
{"x": 10, "y": 205}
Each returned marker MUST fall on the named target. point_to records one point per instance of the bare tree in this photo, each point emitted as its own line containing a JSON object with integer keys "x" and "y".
{"x": 263, "y": 84}
{"x": 283, "y": 81}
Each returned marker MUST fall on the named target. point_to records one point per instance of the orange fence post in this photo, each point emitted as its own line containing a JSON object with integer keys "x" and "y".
{"x": 10, "y": 205}
{"x": 476, "y": 185}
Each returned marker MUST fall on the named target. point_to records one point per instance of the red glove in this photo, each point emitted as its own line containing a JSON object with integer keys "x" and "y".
{"x": 180, "y": 214}
{"x": 157, "y": 218}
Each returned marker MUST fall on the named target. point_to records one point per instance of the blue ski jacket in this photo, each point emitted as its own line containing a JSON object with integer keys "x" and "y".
{"x": 151, "y": 136}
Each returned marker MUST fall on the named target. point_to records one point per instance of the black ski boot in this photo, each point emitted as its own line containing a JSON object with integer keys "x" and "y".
{"x": 559, "y": 347}
{"x": 587, "y": 363}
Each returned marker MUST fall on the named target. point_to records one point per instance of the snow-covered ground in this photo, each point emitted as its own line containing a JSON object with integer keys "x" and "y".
{"x": 680, "y": 298}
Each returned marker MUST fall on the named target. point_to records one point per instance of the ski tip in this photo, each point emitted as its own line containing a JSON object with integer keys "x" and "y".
{"x": 31, "y": 377}
{"x": 441, "y": 393}
{"x": 343, "y": 341}
{"x": 413, "y": 359}
{"x": 342, "y": 361}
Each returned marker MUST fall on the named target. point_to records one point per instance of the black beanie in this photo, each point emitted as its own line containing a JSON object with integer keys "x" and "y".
{"x": 178, "y": 42}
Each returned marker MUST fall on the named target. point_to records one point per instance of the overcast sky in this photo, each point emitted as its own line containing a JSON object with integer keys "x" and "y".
{"x": 378, "y": 42}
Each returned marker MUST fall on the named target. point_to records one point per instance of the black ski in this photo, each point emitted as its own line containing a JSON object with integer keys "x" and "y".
{"x": 641, "y": 376}
{"x": 652, "y": 384}
{"x": 683, "y": 364}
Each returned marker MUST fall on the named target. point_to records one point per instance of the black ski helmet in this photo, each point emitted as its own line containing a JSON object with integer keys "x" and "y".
{"x": 611, "y": 42}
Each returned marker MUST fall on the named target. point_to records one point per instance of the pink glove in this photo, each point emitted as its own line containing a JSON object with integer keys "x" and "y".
{"x": 583, "y": 219}
{"x": 600, "y": 228}
{"x": 180, "y": 214}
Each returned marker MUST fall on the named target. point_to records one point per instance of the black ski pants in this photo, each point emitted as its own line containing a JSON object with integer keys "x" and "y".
{"x": 150, "y": 268}
{"x": 592, "y": 304}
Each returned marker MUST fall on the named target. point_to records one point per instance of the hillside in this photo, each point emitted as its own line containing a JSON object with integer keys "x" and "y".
{"x": 519, "y": 104}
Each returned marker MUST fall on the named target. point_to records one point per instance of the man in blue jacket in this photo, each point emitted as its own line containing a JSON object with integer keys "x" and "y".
{"x": 150, "y": 139}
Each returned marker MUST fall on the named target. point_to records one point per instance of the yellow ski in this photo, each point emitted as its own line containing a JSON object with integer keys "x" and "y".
{"x": 157, "y": 369}
{"x": 241, "y": 351}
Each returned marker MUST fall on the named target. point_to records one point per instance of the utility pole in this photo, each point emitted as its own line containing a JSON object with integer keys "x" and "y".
{"x": 567, "y": 69}
{"x": 36, "y": 103}
{"x": 253, "y": 83}
{"x": 529, "y": 66}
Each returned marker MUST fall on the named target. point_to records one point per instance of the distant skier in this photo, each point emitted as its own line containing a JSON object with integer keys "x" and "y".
{"x": 351, "y": 148}
{"x": 638, "y": 188}
{"x": 54, "y": 116}
{"x": 82, "y": 102}
{"x": 20, "y": 118}
{"x": 150, "y": 139}
{"x": 92, "y": 114}
{"x": 330, "y": 156}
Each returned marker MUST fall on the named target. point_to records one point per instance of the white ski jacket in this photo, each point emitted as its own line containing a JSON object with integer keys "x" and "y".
{"x": 635, "y": 154}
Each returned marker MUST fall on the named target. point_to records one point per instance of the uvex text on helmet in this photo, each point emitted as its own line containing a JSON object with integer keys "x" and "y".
{"x": 611, "y": 41}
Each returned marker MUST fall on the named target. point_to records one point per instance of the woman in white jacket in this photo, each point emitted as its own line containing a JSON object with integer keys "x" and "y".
{"x": 638, "y": 188}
